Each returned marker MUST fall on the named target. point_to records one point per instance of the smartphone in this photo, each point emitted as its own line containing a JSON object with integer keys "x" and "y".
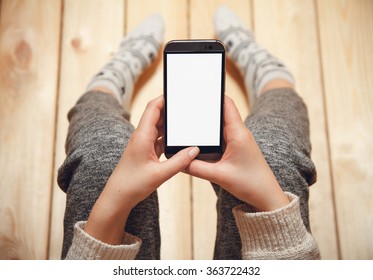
{"x": 194, "y": 85}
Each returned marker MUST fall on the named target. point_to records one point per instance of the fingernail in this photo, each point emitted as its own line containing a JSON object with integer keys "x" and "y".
{"x": 194, "y": 152}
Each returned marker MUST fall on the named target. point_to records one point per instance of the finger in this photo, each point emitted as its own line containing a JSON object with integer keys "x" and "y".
{"x": 159, "y": 146}
{"x": 160, "y": 127}
{"x": 234, "y": 125}
{"x": 151, "y": 116}
{"x": 178, "y": 162}
{"x": 202, "y": 169}
{"x": 231, "y": 114}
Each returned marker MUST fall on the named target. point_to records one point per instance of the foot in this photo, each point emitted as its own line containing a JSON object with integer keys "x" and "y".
{"x": 257, "y": 65}
{"x": 136, "y": 52}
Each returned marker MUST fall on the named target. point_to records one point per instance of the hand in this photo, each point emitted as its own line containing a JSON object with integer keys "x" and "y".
{"x": 242, "y": 170}
{"x": 138, "y": 174}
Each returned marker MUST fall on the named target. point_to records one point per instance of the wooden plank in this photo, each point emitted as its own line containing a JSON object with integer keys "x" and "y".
{"x": 29, "y": 44}
{"x": 174, "y": 195}
{"x": 92, "y": 30}
{"x": 204, "y": 198}
{"x": 289, "y": 30}
{"x": 347, "y": 60}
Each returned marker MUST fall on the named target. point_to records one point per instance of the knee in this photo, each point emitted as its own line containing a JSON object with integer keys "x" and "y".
{"x": 292, "y": 164}
{"x": 93, "y": 155}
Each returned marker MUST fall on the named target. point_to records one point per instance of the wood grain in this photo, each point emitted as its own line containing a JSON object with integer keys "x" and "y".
{"x": 289, "y": 30}
{"x": 204, "y": 198}
{"x": 29, "y": 43}
{"x": 174, "y": 195}
{"x": 92, "y": 31}
{"x": 326, "y": 44}
{"x": 347, "y": 61}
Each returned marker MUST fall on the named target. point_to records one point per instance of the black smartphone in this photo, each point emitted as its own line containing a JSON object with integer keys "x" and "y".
{"x": 194, "y": 85}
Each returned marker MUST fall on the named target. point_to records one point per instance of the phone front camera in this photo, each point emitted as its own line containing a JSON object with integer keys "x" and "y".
{"x": 210, "y": 47}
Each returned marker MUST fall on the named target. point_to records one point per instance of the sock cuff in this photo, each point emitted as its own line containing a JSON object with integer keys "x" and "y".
{"x": 272, "y": 74}
{"x": 107, "y": 84}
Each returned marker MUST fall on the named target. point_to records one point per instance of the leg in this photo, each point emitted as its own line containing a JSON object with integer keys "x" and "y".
{"x": 257, "y": 65}
{"x": 280, "y": 126}
{"x": 98, "y": 134}
{"x": 228, "y": 241}
{"x": 279, "y": 123}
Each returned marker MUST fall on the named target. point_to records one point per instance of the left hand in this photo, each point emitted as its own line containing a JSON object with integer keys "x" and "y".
{"x": 242, "y": 170}
{"x": 138, "y": 174}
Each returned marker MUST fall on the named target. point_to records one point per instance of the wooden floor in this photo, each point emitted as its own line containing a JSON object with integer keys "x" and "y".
{"x": 50, "y": 49}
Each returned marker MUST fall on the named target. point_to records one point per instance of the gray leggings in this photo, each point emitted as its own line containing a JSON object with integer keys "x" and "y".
{"x": 99, "y": 132}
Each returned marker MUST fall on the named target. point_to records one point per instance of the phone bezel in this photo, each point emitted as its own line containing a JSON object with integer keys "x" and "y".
{"x": 195, "y": 46}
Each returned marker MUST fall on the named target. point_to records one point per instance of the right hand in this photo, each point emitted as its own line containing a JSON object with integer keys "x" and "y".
{"x": 242, "y": 170}
{"x": 138, "y": 174}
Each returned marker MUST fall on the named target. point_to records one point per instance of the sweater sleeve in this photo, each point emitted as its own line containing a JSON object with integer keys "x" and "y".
{"x": 278, "y": 234}
{"x": 85, "y": 247}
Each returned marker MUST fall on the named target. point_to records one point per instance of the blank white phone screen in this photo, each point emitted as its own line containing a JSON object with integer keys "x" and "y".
{"x": 194, "y": 99}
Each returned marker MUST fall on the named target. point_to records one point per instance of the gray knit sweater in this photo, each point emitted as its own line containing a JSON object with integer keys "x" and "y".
{"x": 278, "y": 234}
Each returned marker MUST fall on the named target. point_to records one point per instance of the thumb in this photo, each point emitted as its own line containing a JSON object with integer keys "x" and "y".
{"x": 178, "y": 162}
{"x": 202, "y": 169}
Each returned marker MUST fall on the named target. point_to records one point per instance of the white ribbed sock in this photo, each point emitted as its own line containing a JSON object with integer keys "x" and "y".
{"x": 136, "y": 52}
{"x": 257, "y": 65}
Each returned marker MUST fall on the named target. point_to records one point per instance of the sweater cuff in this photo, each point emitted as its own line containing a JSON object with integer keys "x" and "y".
{"x": 278, "y": 234}
{"x": 87, "y": 247}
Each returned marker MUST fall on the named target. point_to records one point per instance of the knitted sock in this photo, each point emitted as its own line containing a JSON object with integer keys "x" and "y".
{"x": 257, "y": 65}
{"x": 136, "y": 52}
